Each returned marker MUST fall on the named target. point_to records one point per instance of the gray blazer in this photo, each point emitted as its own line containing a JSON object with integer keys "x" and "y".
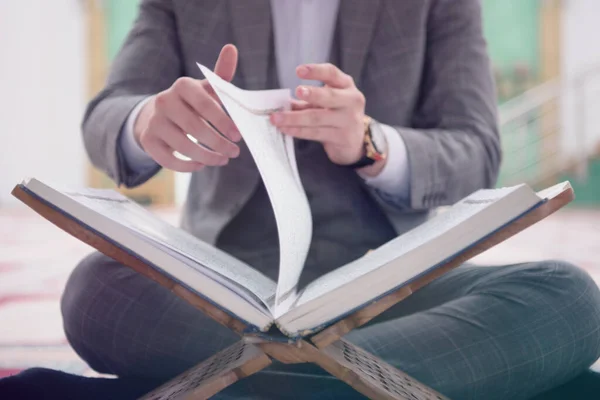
{"x": 421, "y": 64}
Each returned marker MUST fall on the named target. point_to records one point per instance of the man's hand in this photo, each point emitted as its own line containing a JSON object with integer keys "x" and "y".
{"x": 187, "y": 108}
{"x": 332, "y": 115}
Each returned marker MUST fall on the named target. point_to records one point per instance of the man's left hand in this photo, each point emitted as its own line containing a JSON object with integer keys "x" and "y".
{"x": 332, "y": 114}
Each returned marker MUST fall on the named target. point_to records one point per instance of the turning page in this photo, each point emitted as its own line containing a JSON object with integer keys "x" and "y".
{"x": 274, "y": 155}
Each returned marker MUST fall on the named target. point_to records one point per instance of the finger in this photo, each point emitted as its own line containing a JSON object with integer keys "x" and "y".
{"x": 327, "y": 73}
{"x": 188, "y": 121}
{"x": 309, "y": 118}
{"x": 163, "y": 155}
{"x": 225, "y": 68}
{"x": 212, "y": 139}
{"x": 181, "y": 114}
{"x": 298, "y": 105}
{"x": 204, "y": 105}
{"x": 178, "y": 141}
{"x": 321, "y": 134}
{"x": 326, "y": 97}
{"x": 227, "y": 62}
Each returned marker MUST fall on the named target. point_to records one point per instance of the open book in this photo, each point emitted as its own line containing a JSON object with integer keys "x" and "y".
{"x": 246, "y": 294}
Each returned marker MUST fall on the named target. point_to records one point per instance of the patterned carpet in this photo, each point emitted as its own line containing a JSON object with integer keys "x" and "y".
{"x": 36, "y": 259}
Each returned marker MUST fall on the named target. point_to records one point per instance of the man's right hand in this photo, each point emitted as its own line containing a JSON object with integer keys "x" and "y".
{"x": 187, "y": 108}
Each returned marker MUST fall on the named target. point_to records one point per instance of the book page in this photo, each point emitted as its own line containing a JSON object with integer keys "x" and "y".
{"x": 553, "y": 191}
{"x": 130, "y": 215}
{"x": 443, "y": 224}
{"x": 274, "y": 155}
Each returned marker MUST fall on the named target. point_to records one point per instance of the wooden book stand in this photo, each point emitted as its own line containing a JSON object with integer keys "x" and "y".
{"x": 366, "y": 373}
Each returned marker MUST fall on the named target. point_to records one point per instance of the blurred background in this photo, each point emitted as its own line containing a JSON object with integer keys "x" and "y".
{"x": 55, "y": 56}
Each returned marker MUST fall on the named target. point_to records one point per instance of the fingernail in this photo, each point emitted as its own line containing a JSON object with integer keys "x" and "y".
{"x": 303, "y": 70}
{"x": 303, "y": 91}
{"x": 235, "y": 135}
{"x": 277, "y": 118}
{"x": 234, "y": 153}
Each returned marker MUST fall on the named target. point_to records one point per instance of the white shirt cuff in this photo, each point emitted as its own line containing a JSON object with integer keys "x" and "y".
{"x": 137, "y": 159}
{"x": 394, "y": 178}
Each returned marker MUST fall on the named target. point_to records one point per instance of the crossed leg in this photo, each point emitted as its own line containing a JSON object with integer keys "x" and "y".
{"x": 477, "y": 332}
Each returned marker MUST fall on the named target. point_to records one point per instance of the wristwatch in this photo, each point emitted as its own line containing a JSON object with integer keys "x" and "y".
{"x": 374, "y": 144}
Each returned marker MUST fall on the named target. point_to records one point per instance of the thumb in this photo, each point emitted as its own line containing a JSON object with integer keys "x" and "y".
{"x": 227, "y": 62}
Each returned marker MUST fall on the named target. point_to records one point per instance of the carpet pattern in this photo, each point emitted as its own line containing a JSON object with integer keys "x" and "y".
{"x": 36, "y": 259}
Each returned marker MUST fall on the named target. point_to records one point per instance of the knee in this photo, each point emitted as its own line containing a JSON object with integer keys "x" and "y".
{"x": 566, "y": 292}
{"x": 84, "y": 280}
{"x": 125, "y": 324}
{"x": 76, "y": 286}
{"x": 81, "y": 307}
{"x": 567, "y": 286}
{"x": 555, "y": 283}
{"x": 573, "y": 278}
{"x": 580, "y": 297}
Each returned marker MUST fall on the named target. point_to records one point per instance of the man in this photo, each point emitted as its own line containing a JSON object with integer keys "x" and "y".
{"x": 420, "y": 72}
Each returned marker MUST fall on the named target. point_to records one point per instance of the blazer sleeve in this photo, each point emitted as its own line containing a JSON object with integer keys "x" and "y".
{"x": 453, "y": 144}
{"x": 148, "y": 63}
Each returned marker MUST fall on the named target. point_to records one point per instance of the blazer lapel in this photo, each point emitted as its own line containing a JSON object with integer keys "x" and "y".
{"x": 252, "y": 29}
{"x": 357, "y": 19}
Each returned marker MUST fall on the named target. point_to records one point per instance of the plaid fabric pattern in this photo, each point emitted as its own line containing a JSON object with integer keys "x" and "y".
{"x": 476, "y": 333}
